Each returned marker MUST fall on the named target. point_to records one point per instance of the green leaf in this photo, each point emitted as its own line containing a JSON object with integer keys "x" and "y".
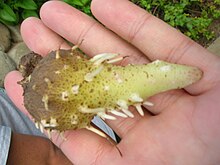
{"x": 29, "y": 13}
{"x": 217, "y": 2}
{"x": 87, "y": 10}
{"x": 189, "y": 25}
{"x": 85, "y": 1}
{"x": 26, "y": 4}
{"x": 7, "y": 14}
{"x": 74, "y": 2}
{"x": 172, "y": 23}
{"x": 6, "y": 22}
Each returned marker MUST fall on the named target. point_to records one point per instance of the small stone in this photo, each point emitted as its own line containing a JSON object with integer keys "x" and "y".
{"x": 215, "y": 47}
{"x": 6, "y": 65}
{"x": 15, "y": 33}
{"x": 18, "y": 51}
{"x": 5, "y": 39}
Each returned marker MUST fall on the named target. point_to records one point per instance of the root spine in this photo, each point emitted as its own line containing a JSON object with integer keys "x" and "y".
{"x": 128, "y": 113}
{"x": 117, "y": 113}
{"x": 147, "y": 103}
{"x": 139, "y": 109}
{"x": 105, "y": 116}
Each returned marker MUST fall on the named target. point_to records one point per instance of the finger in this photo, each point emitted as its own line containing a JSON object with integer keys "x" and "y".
{"x": 157, "y": 39}
{"x": 39, "y": 38}
{"x": 164, "y": 101}
{"x": 85, "y": 147}
{"x": 77, "y": 26}
{"x": 14, "y": 90}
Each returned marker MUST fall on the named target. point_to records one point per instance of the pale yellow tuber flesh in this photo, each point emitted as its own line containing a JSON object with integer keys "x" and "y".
{"x": 66, "y": 89}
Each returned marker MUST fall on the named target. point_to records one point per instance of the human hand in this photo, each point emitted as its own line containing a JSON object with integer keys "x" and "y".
{"x": 183, "y": 125}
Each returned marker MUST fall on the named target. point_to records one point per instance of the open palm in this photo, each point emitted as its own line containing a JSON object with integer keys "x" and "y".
{"x": 183, "y": 125}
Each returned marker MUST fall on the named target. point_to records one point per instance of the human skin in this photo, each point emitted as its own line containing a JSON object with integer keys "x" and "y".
{"x": 34, "y": 150}
{"x": 183, "y": 125}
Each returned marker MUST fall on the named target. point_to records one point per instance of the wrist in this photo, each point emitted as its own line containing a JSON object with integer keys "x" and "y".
{"x": 27, "y": 149}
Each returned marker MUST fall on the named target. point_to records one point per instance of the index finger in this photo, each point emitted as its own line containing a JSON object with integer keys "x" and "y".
{"x": 157, "y": 39}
